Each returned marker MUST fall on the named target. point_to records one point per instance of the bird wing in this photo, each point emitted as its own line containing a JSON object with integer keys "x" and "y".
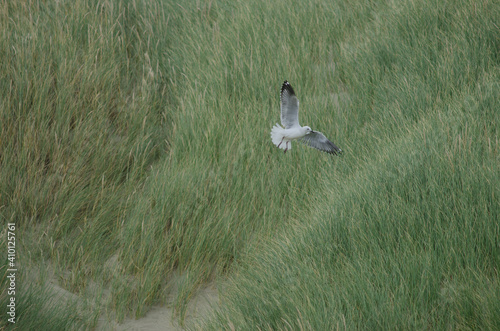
{"x": 289, "y": 106}
{"x": 318, "y": 140}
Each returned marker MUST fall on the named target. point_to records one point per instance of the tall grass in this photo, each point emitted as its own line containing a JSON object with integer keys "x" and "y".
{"x": 83, "y": 116}
{"x": 410, "y": 242}
{"x": 405, "y": 234}
{"x": 135, "y": 146}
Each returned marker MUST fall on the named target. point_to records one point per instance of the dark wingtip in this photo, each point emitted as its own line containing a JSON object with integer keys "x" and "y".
{"x": 335, "y": 150}
{"x": 286, "y": 86}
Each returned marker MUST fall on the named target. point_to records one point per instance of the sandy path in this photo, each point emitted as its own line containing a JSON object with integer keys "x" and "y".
{"x": 160, "y": 318}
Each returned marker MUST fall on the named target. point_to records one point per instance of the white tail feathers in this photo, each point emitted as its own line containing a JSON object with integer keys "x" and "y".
{"x": 278, "y": 138}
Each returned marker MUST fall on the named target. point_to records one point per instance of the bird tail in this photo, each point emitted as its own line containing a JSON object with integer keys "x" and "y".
{"x": 278, "y": 137}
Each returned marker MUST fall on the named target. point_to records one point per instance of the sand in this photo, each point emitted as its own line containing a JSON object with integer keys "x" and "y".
{"x": 160, "y": 318}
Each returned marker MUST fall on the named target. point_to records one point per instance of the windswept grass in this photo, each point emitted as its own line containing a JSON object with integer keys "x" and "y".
{"x": 135, "y": 145}
{"x": 410, "y": 242}
{"x": 410, "y": 238}
{"x": 83, "y": 116}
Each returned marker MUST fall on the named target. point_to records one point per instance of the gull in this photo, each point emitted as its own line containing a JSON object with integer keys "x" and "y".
{"x": 282, "y": 137}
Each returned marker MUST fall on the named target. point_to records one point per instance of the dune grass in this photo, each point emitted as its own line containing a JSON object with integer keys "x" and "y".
{"x": 135, "y": 146}
{"x": 405, "y": 233}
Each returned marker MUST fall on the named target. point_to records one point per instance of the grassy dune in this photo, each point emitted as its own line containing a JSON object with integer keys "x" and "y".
{"x": 134, "y": 146}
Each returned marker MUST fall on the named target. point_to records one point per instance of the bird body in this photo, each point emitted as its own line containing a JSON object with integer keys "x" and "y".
{"x": 283, "y": 137}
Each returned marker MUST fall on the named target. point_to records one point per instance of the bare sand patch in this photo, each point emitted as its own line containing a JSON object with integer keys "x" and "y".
{"x": 160, "y": 318}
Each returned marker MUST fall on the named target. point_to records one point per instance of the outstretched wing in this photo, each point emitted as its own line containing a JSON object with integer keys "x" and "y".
{"x": 318, "y": 140}
{"x": 289, "y": 106}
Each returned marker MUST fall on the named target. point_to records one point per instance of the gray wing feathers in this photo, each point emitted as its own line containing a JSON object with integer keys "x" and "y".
{"x": 318, "y": 140}
{"x": 289, "y": 106}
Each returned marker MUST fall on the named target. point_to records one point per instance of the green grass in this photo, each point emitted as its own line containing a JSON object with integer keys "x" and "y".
{"x": 135, "y": 145}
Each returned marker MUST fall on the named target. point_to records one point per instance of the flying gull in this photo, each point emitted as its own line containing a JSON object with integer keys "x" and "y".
{"x": 293, "y": 131}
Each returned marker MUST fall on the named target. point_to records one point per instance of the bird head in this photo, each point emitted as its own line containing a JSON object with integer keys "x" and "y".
{"x": 308, "y": 130}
